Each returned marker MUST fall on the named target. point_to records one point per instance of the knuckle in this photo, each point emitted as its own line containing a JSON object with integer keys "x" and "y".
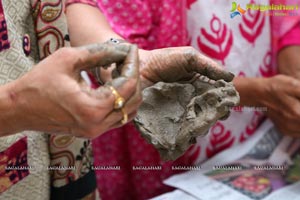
{"x": 295, "y": 111}
{"x": 86, "y": 115}
{"x": 190, "y": 50}
{"x": 283, "y": 79}
{"x": 66, "y": 54}
{"x": 280, "y": 76}
{"x": 190, "y": 53}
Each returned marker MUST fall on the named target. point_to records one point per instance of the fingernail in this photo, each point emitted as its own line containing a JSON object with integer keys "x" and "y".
{"x": 230, "y": 76}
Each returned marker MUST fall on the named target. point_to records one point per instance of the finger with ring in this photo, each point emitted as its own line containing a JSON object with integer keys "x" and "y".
{"x": 119, "y": 100}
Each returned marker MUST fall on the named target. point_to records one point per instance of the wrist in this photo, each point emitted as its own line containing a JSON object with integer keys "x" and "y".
{"x": 10, "y": 123}
{"x": 251, "y": 90}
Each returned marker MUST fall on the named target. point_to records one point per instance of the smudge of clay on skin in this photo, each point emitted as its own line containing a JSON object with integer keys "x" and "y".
{"x": 215, "y": 74}
{"x": 106, "y": 54}
{"x": 172, "y": 115}
{"x": 107, "y": 47}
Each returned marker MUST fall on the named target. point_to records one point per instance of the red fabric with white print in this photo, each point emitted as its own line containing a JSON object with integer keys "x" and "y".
{"x": 242, "y": 44}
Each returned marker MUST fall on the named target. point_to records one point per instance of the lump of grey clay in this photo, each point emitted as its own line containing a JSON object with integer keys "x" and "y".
{"x": 172, "y": 115}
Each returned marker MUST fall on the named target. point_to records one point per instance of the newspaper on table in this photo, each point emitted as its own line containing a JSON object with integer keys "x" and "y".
{"x": 265, "y": 167}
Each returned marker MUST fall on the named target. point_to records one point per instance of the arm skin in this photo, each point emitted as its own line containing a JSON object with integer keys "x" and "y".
{"x": 288, "y": 60}
{"x": 39, "y": 102}
{"x": 8, "y": 109}
{"x": 280, "y": 94}
{"x": 249, "y": 89}
{"x": 90, "y": 27}
{"x": 9, "y": 117}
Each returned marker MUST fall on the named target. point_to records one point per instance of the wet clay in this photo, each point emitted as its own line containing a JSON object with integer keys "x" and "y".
{"x": 173, "y": 115}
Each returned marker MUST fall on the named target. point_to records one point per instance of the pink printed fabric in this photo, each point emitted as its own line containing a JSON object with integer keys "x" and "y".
{"x": 149, "y": 24}
{"x": 242, "y": 45}
{"x": 292, "y": 37}
{"x": 282, "y": 32}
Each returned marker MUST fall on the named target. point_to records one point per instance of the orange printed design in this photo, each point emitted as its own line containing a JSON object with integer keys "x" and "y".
{"x": 13, "y": 164}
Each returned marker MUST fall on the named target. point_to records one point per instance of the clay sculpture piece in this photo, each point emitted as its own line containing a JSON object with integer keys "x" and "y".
{"x": 173, "y": 115}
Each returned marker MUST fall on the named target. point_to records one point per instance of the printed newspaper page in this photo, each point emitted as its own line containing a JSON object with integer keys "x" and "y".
{"x": 266, "y": 167}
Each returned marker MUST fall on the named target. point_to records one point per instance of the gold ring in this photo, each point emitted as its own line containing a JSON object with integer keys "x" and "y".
{"x": 119, "y": 101}
{"x": 125, "y": 117}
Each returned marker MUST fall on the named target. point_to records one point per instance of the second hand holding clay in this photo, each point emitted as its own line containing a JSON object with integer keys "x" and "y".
{"x": 53, "y": 97}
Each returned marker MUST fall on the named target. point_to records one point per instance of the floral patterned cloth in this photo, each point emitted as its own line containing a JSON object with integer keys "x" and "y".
{"x": 31, "y": 30}
{"x": 242, "y": 44}
{"x": 150, "y": 24}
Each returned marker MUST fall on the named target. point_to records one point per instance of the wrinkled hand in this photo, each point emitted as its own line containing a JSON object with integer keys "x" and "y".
{"x": 281, "y": 95}
{"x": 54, "y": 98}
{"x": 178, "y": 64}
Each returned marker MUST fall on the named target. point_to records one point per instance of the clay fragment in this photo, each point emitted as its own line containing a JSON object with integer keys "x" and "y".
{"x": 173, "y": 115}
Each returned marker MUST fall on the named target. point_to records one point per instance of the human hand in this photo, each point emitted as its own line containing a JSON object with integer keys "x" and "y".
{"x": 177, "y": 64}
{"x": 53, "y": 97}
{"x": 281, "y": 95}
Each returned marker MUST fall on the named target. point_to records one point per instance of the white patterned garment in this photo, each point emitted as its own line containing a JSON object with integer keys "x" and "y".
{"x": 242, "y": 44}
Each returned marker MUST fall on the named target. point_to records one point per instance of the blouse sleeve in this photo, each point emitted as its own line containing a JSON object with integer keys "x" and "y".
{"x": 292, "y": 37}
{"x": 88, "y": 2}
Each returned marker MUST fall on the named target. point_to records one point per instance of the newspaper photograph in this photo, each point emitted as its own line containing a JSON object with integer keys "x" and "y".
{"x": 265, "y": 167}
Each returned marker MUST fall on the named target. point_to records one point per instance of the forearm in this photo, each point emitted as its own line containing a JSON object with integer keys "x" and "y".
{"x": 288, "y": 60}
{"x": 250, "y": 90}
{"x": 9, "y": 122}
{"x": 87, "y": 25}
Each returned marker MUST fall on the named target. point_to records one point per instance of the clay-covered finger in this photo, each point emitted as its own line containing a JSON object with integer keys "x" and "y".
{"x": 124, "y": 87}
{"x": 130, "y": 70}
{"x": 103, "y": 54}
{"x": 130, "y": 67}
{"x": 128, "y": 89}
{"x": 208, "y": 67}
